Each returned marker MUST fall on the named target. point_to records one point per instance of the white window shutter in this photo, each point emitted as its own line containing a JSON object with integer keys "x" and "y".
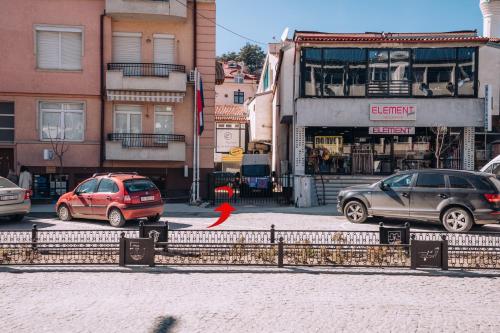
{"x": 47, "y": 49}
{"x": 71, "y": 50}
{"x": 126, "y": 49}
{"x": 164, "y": 50}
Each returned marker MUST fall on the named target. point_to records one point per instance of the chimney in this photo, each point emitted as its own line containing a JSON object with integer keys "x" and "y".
{"x": 491, "y": 17}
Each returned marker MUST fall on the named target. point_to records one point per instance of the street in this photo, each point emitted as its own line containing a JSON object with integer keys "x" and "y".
{"x": 182, "y": 216}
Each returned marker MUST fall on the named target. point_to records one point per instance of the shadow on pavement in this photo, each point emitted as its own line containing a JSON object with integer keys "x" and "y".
{"x": 186, "y": 270}
{"x": 163, "y": 324}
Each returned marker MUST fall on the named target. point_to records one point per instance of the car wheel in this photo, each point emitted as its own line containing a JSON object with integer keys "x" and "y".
{"x": 17, "y": 218}
{"x": 154, "y": 219}
{"x": 64, "y": 213}
{"x": 355, "y": 212}
{"x": 457, "y": 219}
{"x": 116, "y": 218}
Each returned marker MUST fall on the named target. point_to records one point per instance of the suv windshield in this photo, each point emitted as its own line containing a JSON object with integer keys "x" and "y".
{"x": 255, "y": 170}
{"x": 139, "y": 185}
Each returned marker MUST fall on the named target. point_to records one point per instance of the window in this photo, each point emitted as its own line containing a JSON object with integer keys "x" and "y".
{"x": 466, "y": 71}
{"x": 494, "y": 169}
{"x": 344, "y": 72}
{"x": 420, "y": 72}
{"x": 107, "y": 186}
{"x": 7, "y": 121}
{"x": 399, "y": 181}
{"x": 239, "y": 97}
{"x": 164, "y": 119}
{"x": 128, "y": 118}
{"x": 139, "y": 185}
{"x": 434, "y": 72}
{"x": 61, "y": 121}
{"x": 265, "y": 85}
{"x": 59, "y": 47}
{"x": 239, "y": 78}
{"x": 459, "y": 182}
{"x": 431, "y": 180}
{"x": 88, "y": 186}
{"x": 312, "y": 72}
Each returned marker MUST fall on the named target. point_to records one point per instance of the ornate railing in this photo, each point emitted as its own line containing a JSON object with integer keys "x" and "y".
{"x": 146, "y": 69}
{"x": 140, "y": 140}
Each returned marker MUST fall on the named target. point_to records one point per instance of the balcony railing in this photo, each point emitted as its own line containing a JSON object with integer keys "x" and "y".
{"x": 146, "y": 69}
{"x": 142, "y": 140}
{"x": 392, "y": 88}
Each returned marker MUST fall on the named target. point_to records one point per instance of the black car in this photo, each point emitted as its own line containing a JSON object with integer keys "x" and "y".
{"x": 457, "y": 199}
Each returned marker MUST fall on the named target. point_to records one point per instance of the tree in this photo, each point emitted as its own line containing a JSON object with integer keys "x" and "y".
{"x": 253, "y": 56}
{"x": 228, "y": 56}
{"x": 59, "y": 147}
{"x": 444, "y": 141}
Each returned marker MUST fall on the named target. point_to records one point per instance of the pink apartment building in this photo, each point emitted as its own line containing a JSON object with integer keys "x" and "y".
{"x": 111, "y": 79}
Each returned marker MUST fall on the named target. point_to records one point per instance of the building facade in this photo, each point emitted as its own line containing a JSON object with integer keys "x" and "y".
{"x": 373, "y": 104}
{"x": 106, "y": 83}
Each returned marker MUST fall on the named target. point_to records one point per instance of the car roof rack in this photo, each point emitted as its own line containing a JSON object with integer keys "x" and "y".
{"x": 109, "y": 174}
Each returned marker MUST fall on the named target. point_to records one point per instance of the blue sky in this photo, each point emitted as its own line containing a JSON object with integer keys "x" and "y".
{"x": 263, "y": 19}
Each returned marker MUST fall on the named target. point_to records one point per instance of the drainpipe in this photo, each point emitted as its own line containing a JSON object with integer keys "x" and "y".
{"x": 102, "y": 88}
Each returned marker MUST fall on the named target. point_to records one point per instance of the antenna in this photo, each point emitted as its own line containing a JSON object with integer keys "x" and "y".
{"x": 284, "y": 35}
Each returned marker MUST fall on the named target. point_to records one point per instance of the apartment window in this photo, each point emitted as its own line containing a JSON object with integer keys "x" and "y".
{"x": 128, "y": 118}
{"x": 164, "y": 119}
{"x": 61, "y": 121}
{"x": 7, "y": 121}
{"x": 312, "y": 76}
{"x": 59, "y": 47}
{"x": 239, "y": 97}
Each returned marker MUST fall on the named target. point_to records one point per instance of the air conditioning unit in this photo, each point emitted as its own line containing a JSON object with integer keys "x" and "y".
{"x": 191, "y": 77}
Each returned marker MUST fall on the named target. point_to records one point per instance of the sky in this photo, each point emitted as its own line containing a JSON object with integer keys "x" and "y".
{"x": 262, "y": 20}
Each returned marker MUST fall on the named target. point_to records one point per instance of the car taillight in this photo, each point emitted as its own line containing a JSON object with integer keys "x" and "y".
{"x": 492, "y": 197}
{"x": 27, "y": 194}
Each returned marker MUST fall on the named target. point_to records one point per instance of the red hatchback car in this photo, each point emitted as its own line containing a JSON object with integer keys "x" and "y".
{"x": 116, "y": 197}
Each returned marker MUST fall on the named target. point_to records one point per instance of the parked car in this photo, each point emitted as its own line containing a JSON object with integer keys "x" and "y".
{"x": 116, "y": 197}
{"x": 492, "y": 166}
{"x": 457, "y": 199}
{"x": 15, "y": 201}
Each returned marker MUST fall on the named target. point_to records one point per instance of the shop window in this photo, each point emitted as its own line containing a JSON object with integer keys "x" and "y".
{"x": 430, "y": 180}
{"x": 434, "y": 72}
{"x": 312, "y": 73}
{"x": 466, "y": 71}
{"x": 344, "y": 72}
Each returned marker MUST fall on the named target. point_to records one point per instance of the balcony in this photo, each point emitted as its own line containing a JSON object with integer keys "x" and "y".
{"x": 148, "y": 82}
{"x": 145, "y": 147}
{"x": 147, "y": 9}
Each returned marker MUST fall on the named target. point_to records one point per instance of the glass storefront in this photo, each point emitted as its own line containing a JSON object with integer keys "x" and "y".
{"x": 353, "y": 150}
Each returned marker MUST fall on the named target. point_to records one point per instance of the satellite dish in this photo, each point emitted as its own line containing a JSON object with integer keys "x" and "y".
{"x": 284, "y": 35}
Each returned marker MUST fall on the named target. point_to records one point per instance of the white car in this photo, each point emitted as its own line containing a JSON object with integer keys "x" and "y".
{"x": 492, "y": 166}
{"x": 15, "y": 201}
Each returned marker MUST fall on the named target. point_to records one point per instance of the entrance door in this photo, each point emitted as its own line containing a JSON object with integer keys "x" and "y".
{"x": 127, "y": 53}
{"x": 6, "y": 161}
{"x": 393, "y": 198}
{"x": 362, "y": 161}
{"x": 164, "y": 53}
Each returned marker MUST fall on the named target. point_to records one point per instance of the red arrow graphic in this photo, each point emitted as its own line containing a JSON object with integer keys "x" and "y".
{"x": 225, "y": 209}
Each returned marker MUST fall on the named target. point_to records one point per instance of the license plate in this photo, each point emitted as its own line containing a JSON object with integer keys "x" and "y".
{"x": 8, "y": 197}
{"x": 149, "y": 198}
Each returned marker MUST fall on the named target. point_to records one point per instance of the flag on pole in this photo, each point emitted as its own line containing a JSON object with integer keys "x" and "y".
{"x": 200, "y": 105}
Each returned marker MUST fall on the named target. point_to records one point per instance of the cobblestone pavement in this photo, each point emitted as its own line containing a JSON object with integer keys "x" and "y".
{"x": 96, "y": 299}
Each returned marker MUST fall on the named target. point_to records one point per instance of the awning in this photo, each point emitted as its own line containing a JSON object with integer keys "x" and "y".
{"x": 145, "y": 96}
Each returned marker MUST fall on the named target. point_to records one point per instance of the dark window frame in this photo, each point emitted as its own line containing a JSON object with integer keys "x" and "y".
{"x": 410, "y": 94}
{"x": 239, "y": 97}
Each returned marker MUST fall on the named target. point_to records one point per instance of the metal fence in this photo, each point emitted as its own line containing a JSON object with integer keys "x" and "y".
{"x": 250, "y": 190}
{"x": 478, "y": 250}
{"x": 146, "y": 69}
{"x": 145, "y": 140}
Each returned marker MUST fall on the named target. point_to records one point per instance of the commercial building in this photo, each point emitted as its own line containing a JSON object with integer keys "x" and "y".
{"x": 356, "y": 105}
{"x": 107, "y": 83}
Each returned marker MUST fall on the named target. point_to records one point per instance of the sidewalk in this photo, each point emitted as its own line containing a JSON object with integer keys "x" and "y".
{"x": 176, "y": 209}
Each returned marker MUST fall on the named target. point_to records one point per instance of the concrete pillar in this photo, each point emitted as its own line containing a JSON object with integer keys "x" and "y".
{"x": 468, "y": 154}
{"x": 491, "y": 17}
{"x": 300, "y": 150}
